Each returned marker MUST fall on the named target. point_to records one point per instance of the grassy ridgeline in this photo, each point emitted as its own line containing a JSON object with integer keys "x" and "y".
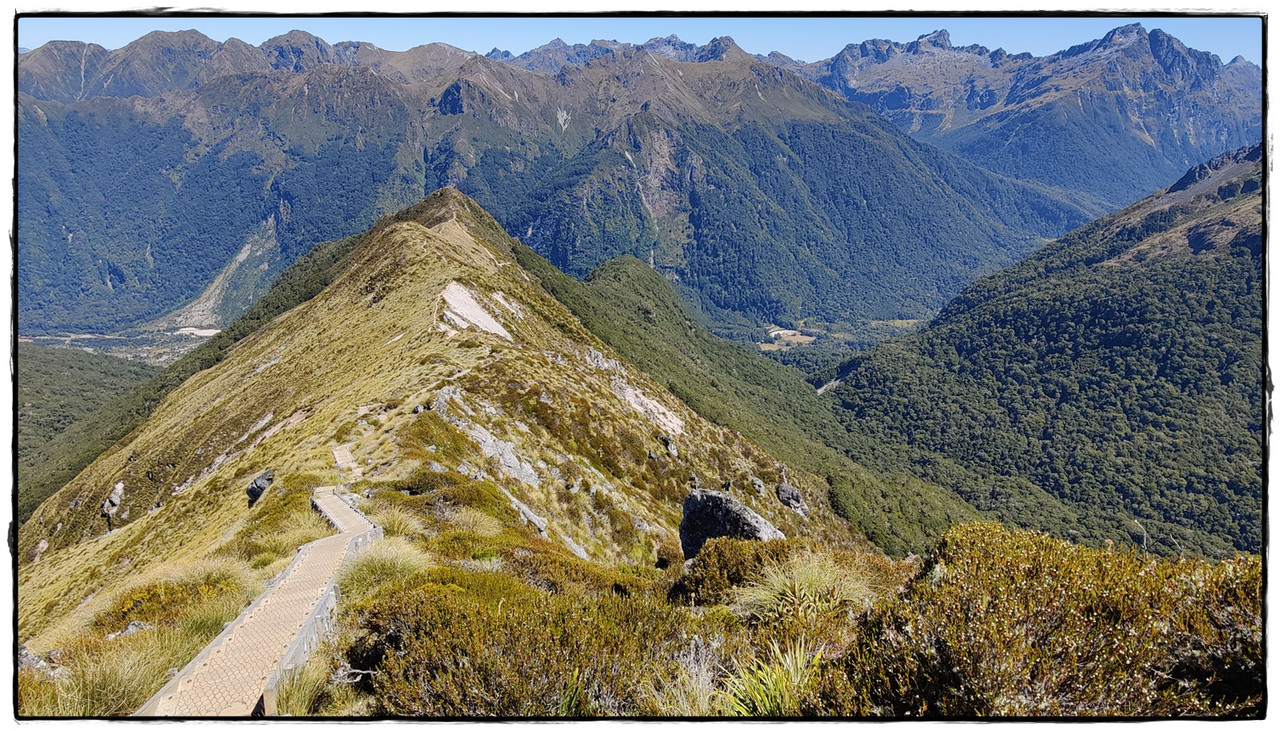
{"x": 48, "y": 467}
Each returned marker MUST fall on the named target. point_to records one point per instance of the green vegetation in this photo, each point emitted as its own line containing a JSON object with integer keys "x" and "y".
{"x": 1009, "y": 623}
{"x": 386, "y": 561}
{"x": 772, "y": 686}
{"x": 124, "y": 218}
{"x": 966, "y": 634}
{"x": 635, "y": 311}
{"x": 58, "y": 386}
{"x": 45, "y": 469}
{"x": 768, "y": 225}
{"x": 1102, "y": 388}
{"x": 105, "y": 672}
{"x": 282, "y": 520}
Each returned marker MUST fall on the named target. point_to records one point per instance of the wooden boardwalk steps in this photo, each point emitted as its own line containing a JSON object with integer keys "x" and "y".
{"x": 276, "y": 631}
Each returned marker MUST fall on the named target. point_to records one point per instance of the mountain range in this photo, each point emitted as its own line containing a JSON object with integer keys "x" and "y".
{"x": 512, "y": 308}
{"x": 518, "y": 434}
{"x": 717, "y": 167}
{"x": 1133, "y": 95}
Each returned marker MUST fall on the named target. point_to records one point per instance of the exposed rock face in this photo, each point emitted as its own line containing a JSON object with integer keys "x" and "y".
{"x": 709, "y": 514}
{"x": 791, "y": 496}
{"x": 27, "y": 660}
{"x": 112, "y": 503}
{"x": 259, "y": 486}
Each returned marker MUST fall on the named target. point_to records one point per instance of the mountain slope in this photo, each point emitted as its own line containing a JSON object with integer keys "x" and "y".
{"x": 440, "y": 364}
{"x": 50, "y": 466}
{"x": 1113, "y": 379}
{"x": 57, "y": 387}
{"x": 635, "y": 311}
{"x": 1124, "y": 113}
{"x": 721, "y": 168}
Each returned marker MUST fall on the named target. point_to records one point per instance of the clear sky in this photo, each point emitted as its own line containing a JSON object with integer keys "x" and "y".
{"x": 807, "y": 39}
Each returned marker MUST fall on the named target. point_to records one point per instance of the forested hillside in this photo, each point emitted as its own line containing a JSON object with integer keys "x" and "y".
{"x": 57, "y": 387}
{"x": 1108, "y": 387}
{"x": 138, "y": 196}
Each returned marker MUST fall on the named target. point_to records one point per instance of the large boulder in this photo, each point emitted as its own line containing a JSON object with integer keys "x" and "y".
{"x": 791, "y": 496}
{"x": 709, "y": 514}
{"x": 259, "y": 486}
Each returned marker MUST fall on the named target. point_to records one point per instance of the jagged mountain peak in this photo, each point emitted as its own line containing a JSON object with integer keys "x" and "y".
{"x": 722, "y": 48}
{"x": 936, "y": 39}
{"x": 297, "y": 50}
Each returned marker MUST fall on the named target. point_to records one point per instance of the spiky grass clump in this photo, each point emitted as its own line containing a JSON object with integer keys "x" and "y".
{"x": 773, "y": 687}
{"x": 315, "y": 689}
{"x": 476, "y": 522}
{"x": 398, "y": 521}
{"x": 806, "y": 587}
{"x": 691, "y": 691}
{"x": 386, "y": 561}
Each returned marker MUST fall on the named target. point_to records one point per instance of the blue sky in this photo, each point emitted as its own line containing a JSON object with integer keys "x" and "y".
{"x": 808, "y": 39}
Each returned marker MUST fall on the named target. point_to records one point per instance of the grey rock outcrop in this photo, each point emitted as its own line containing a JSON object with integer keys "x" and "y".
{"x": 112, "y": 503}
{"x": 709, "y": 514}
{"x": 28, "y": 660}
{"x": 791, "y": 496}
{"x": 259, "y": 486}
{"x": 134, "y": 626}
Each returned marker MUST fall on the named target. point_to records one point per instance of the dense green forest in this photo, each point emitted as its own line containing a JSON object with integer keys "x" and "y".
{"x": 1102, "y": 389}
{"x": 766, "y": 221}
{"x": 116, "y": 208}
{"x": 59, "y": 386}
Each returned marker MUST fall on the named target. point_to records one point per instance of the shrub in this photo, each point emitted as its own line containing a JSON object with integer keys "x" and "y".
{"x": 425, "y": 481}
{"x": 725, "y": 563}
{"x": 551, "y": 569}
{"x": 1010, "y": 623}
{"x": 438, "y": 652}
{"x": 173, "y": 595}
{"x": 669, "y": 555}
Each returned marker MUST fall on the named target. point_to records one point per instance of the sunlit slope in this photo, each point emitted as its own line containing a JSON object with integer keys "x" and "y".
{"x": 430, "y": 315}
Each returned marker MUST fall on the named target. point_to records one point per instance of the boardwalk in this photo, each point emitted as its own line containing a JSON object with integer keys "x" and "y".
{"x": 228, "y": 677}
{"x": 342, "y": 456}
